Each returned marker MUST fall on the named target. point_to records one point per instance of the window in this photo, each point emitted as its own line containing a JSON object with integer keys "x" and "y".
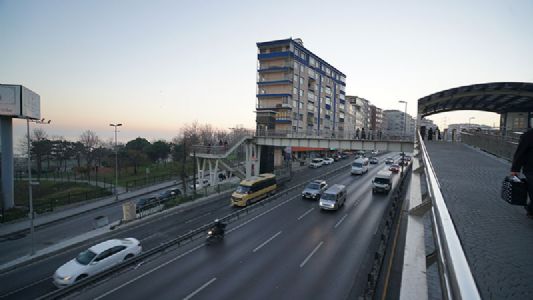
{"x": 295, "y": 91}
{"x": 310, "y": 107}
{"x": 300, "y": 105}
{"x": 296, "y": 67}
{"x": 294, "y": 103}
{"x": 328, "y": 100}
{"x": 310, "y": 97}
{"x": 117, "y": 249}
{"x": 301, "y": 81}
{"x": 301, "y": 93}
{"x": 302, "y": 69}
{"x": 295, "y": 78}
{"x": 328, "y": 90}
{"x": 341, "y": 115}
{"x": 341, "y": 106}
{"x": 104, "y": 255}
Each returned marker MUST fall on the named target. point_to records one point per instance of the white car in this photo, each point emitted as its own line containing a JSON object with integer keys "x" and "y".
{"x": 316, "y": 163}
{"x": 328, "y": 161}
{"x": 96, "y": 259}
{"x": 201, "y": 184}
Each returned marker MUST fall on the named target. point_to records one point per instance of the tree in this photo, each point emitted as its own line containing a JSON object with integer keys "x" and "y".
{"x": 157, "y": 151}
{"x": 41, "y": 147}
{"x": 135, "y": 150}
{"x": 90, "y": 143}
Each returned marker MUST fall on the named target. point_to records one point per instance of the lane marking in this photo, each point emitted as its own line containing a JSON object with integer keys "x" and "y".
{"x": 266, "y": 242}
{"x": 25, "y": 287}
{"x": 311, "y": 254}
{"x": 305, "y": 213}
{"x": 263, "y": 213}
{"x": 148, "y": 272}
{"x": 340, "y": 221}
{"x": 200, "y": 289}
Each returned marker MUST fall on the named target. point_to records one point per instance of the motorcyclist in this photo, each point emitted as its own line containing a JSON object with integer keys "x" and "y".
{"x": 218, "y": 227}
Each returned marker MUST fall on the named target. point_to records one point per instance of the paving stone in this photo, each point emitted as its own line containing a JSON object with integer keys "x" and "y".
{"x": 497, "y": 237}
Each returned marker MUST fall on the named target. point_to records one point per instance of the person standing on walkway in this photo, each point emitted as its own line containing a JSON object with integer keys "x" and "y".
{"x": 523, "y": 159}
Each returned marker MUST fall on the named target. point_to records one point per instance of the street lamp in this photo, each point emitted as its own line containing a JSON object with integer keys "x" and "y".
{"x": 404, "y": 118}
{"x": 116, "y": 159}
{"x": 32, "y": 229}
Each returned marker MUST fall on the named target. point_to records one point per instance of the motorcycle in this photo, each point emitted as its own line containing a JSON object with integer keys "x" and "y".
{"x": 213, "y": 236}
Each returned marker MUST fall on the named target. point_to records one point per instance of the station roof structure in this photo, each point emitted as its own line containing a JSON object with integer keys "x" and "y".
{"x": 497, "y": 97}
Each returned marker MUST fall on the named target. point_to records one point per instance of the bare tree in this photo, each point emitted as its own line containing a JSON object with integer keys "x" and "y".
{"x": 90, "y": 142}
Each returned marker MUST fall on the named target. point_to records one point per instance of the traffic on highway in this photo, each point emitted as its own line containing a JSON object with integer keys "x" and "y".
{"x": 317, "y": 228}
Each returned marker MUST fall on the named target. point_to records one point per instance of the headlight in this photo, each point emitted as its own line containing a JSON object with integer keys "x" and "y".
{"x": 210, "y": 232}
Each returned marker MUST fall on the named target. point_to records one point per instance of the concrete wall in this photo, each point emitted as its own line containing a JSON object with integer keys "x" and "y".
{"x": 493, "y": 144}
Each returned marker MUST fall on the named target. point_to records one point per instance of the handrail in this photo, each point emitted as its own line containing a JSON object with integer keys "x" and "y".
{"x": 456, "y": 277}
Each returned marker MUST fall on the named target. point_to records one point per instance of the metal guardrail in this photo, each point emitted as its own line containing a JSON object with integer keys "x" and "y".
{"x": 457, "y": 281}
{"x": 179, "y": 241}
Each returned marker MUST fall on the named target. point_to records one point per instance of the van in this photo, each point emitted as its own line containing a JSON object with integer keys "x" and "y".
{"x": 360, "y": 166}
{"x": 382, "y": 182}
{"x": 333, "y": 198}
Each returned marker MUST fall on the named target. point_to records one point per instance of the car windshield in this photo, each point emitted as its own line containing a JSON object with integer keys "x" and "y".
{"x": 357, "y": 165}
{"x": 382, "y": 181}
{"x": 241, "y": 189}
{"x": 317, "y": 160}
{"x": 330, "y": 197}
{"x": 85, "y": 257}
{"x": 313, "y": 186}
{"x": 395, "y": 166}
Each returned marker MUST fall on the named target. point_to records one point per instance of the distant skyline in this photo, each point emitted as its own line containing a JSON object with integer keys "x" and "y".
{"x": 155, "y": 66}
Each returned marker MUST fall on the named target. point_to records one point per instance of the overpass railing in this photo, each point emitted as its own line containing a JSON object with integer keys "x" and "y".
{"x": 502, "y": 146}
{"x": 457, "y": 281}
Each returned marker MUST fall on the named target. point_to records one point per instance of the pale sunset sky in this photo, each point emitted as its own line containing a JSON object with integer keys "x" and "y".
{"x": 156, "y": 65}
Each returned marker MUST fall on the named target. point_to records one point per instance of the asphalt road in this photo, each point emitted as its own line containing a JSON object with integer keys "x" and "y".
{"x": 35, "y": 280}
{"x": 289, "y": 249}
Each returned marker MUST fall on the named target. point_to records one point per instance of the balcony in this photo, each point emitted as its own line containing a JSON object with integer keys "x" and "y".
{"x": 274, "y": 82}
{"x": 274, "y": 55}
{"x": 273, "y": 69}
{"x": 265, "y": 95}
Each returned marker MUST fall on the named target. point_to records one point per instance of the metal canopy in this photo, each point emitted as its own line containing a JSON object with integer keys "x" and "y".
{"x": 498, "y": 97}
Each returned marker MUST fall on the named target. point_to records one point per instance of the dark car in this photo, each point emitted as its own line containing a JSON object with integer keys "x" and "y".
{"x": 169, "y": 194}
{"x": 314, "y": 189}
{"x": 373, "y": 160}
{"x": 394, "y": 168}
{"x": 146, "y": 203}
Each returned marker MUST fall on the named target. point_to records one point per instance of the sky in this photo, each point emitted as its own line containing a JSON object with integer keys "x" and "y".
{"x": 157, "y": 65}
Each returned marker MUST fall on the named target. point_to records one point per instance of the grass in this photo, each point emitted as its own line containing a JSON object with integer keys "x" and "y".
{"x": 48, "y": 195}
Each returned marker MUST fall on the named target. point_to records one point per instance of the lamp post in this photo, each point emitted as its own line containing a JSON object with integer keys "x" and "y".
{"x": 30, "y": 195}
{"x": 116, "y": 159}
{"x": 404, "y": 118}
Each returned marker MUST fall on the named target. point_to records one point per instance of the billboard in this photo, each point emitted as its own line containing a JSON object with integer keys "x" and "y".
{"x": 31, "y": 104}
{"x": 10, "y": 100}
{"x": 19, "y": 102}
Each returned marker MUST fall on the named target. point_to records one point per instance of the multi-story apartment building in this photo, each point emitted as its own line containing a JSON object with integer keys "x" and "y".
{"x": 297, "y": 91}
{"x": 376, "y": 119}
{"x": 394, "y": 123}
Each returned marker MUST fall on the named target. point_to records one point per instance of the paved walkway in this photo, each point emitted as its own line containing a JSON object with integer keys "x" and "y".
{"x": 497, "y": 237}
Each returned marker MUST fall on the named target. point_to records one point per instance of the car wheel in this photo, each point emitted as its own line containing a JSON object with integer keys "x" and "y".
{"x": 128, "y": 256}
{"x": 81, "y": 277}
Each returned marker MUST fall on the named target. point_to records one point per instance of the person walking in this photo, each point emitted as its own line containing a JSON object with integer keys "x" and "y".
{"x": 523, "y": 160}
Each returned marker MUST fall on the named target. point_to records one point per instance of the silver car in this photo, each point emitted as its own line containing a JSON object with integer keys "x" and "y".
{"x": 314, "y": 189}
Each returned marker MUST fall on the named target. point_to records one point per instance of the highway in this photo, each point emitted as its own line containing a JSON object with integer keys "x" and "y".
{"x": 281, "y": 249}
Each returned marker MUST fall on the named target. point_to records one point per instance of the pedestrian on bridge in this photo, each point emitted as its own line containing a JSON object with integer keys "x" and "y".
{"x": 523, "y": 160}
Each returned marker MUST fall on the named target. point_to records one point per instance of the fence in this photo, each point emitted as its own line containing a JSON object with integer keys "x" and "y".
{"x": 501, "y": 146}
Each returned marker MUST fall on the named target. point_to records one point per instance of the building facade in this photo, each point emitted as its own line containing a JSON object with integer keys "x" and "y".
{"x": 376, "y": 119}
{"x": 397, "y": 124}
{"x": 297, "y": 91}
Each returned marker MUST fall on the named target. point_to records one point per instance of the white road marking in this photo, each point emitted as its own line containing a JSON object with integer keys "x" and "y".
{"x": 311, "y": 254}
{"x": 263, "y": 213}
{"x": 148, "y": 272}
{"x": 305, "y": 213}
{"x": 340, "y": 221}
{"x": 196, "y": 218}
{"x": 266, "y": 242}
{"x": 200, "y": 289}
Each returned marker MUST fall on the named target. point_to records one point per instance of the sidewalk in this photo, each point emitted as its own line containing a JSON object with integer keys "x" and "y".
{"x": 76, "y": 209}
{"x": 497, "y": 238}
